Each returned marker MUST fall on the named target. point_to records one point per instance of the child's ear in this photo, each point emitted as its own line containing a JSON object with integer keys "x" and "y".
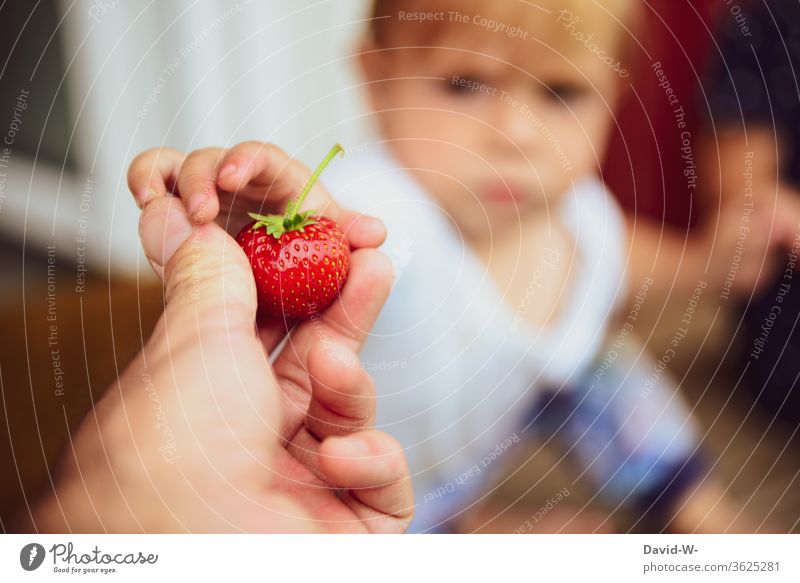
{"x": 371, "y": 63}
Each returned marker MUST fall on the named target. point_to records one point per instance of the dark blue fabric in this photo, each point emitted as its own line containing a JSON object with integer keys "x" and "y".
{"x": 655, "y": 509}
{"x": 756, "y": 81}
{"x": 642, "y": 481}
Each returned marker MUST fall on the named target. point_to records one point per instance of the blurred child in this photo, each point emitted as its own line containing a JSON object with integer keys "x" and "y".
{"x": 510, "y": 256}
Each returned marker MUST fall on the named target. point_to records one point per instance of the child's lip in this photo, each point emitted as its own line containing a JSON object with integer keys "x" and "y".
{"x": 504, "y": 192}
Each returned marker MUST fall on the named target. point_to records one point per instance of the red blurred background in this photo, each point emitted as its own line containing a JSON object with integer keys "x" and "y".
{"x": 646, "y": 181}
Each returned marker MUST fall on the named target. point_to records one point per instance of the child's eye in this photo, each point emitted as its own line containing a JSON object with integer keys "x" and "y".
{"x": 464, "y": 84}
{"x": 565, "y": 92}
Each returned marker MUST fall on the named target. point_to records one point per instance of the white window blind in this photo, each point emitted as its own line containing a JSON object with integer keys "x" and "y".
{"x": 186, "y": 75}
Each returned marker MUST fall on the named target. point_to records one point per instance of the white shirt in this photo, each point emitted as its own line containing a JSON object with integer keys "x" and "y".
{"x": 457, "y": 369}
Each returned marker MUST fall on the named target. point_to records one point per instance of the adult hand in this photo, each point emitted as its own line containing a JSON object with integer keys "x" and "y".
{"x": 201, "y": 433}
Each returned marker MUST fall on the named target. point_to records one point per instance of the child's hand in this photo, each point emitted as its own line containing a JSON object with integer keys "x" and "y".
{"x": 219, "y": 184}
{"x": 215, "y": 184}
{"x": 200, "y": 433}
{"x": 746, "y": 246}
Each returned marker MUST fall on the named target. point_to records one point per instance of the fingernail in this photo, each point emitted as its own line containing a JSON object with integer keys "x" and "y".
{"x": 162, "y": 231}
{"x": 227, "y": 170}
{"x": 374, "y": 224}
{"x": 196, "y": 204}
{"x": 149, "y": 194}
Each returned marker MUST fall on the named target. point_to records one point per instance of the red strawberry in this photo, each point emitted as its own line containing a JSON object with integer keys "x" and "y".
{"x": 300, "y": 261}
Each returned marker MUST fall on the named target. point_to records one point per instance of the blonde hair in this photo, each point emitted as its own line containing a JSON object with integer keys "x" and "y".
{"x": 557, "y": 23}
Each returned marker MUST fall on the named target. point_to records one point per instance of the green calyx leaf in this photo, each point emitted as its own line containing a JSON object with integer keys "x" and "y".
{"x": 278, "y": 225}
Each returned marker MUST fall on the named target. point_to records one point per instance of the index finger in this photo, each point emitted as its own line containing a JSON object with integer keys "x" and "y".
{"x": 153, "y": 173}
{"x": 342, "y": 392}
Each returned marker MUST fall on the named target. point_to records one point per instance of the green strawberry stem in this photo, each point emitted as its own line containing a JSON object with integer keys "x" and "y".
{"x": 291, "y": 220}
{"x": 291, "y": 209}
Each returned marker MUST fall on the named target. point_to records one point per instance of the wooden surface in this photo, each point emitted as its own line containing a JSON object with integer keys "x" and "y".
{"x": 96, "y": 334}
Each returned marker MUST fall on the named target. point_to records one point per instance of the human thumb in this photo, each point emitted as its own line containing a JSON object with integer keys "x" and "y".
{"x": 207, "y": 278}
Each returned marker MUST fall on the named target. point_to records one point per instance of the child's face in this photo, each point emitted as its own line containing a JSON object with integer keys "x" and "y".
{"x": 491, "y": 136}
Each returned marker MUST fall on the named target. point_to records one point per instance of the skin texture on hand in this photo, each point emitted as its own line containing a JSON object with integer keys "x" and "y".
{"x": 201, "y": 433}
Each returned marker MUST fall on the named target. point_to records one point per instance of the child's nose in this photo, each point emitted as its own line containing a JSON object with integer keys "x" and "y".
{"x": 516, "y": 124}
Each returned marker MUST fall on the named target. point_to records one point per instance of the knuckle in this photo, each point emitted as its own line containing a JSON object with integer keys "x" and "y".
{"x": 140, "y": 163}
{"x": 250, "y": 145}
{"x": 263, "y": 154}
{"x": 144, "y": 157}
{"x": 201, "y": 155}
{"x": 273, "y": 150}
{"x": 200, "y": 181}
{"x": 145, "y": 163}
